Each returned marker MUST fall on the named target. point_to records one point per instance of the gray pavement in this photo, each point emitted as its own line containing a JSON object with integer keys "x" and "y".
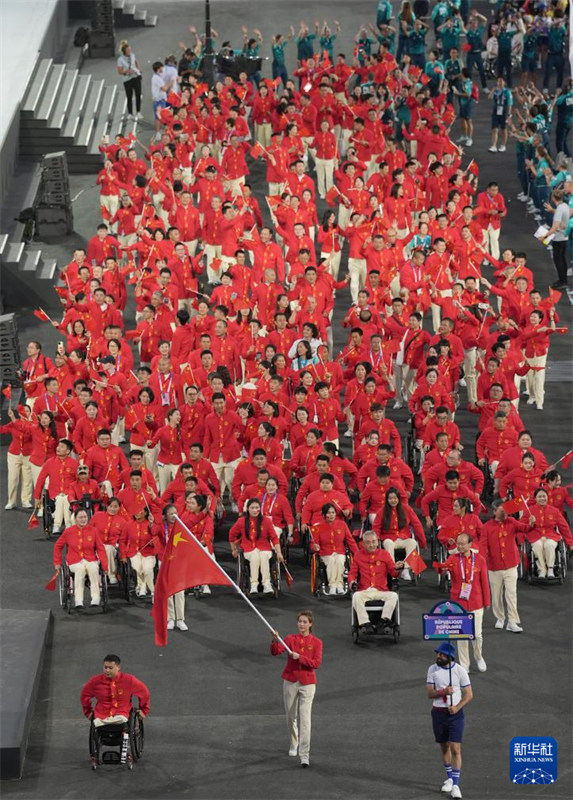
{"x": 217, "y": 730}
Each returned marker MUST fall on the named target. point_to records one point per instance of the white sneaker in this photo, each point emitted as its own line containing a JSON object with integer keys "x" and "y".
{"x": 94, "y": 603}
{"x": 550, "y": 572}
{"x": 27, "y": 505}
{"x": 293, "y": 751}
{"x": 112, "y": 580}
{"x": 340, "y": 590}
{"x": 540, "y": 407}
{"x": 254, "y": 588}
{"x": 398, "y": 404}
{"x": 463, "y": 382}
{"x": 206, "y": 589}
{"x": 348, "y": 434}
{"x": 522, "y": 197}
{"x": 499, "y": 624}
{"x": 482, "y": 666}
{"x": 234, "y": 508}
{"x": 469, "y": 143}
{"x": 79, "y": 605}
{"x": 447, "y": 786}
{"x": 541, "y": 573}
{"x": 492, "y": 149}
{"x": 461, "y": 140}
{"x": 170, "y": 624}
{"x": 405, "y": 575}
{"x": 531, "y": 401}
{"x": 305, "y": 761}
{"x": 181, "y": 626}
{"x": 456, "y": 791}
{"x": 139, "y": 115}
{"x": 267, "y": 588}
{"x": 514, "y": 627}
{"x": 140, "y": 594}
{"x": 130, "y": 116}
{"x": 9, "y": 506}
{"x": 502, "y": 148}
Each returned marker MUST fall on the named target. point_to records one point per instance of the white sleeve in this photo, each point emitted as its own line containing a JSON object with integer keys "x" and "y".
{"x": 430, "y": 675}
{"x": 464, "y": 677}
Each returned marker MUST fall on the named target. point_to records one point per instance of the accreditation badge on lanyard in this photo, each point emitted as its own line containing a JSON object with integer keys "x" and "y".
{"x": 165, "y": 390}
{"x": 466, "y": 587}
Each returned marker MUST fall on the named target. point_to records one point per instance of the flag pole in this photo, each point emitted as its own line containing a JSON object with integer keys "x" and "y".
{"x": 232, "y": 582}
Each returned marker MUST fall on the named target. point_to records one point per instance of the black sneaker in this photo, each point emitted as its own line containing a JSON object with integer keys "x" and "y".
{"x": 367, "y": 628}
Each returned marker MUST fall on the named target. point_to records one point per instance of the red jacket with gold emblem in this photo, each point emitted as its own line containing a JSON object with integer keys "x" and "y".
{"x": 80, "y": 543}
{"x": 245, "y": 531}
{"x": 136, "y": 538}
{"x": 113, "y": 695}
{"x": 221, "y": 437}
{"x": 300, "y": 670}
{"x": 331, "y": 537}
{"x": 61, "y": 473}
{"x": 549, "y": 522}
{"x": 498, "y": 542}
{"x": 460, "y": 569}
{"x": 371, "y": 570}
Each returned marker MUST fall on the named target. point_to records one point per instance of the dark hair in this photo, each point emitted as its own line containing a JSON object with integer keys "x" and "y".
{"x": 387, "y": 511}
{"x": 112, "y": 659}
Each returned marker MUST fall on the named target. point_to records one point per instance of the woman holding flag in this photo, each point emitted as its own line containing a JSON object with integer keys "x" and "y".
{"x": 299, "y": 682}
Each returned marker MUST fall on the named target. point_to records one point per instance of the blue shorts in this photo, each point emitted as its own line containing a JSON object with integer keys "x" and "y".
{"x": 158, "y": 104}
{"x": 466, "y": 110}
{"x": 528, "y": 63}
{"x": 498, "y": 121}
{"x": 448, "y": 727}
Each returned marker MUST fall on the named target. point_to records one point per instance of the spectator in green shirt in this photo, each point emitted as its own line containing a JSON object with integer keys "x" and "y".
{"x": 474, "y": 38}
{"x": 278, "y": 65}
{"x": 555, "y": 57}
{"x": 465, "y": 94}
{"x": 563, "y": 106}
{"x": 417, "y": 43}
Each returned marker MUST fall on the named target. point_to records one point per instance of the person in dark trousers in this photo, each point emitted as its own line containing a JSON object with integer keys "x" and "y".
{"x": 449, "y": 687}
{"x": 130, "y": 71}
{"x": 558, "y": 227}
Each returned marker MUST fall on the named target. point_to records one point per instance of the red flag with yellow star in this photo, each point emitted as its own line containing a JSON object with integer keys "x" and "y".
{"x": 185, "y": 563}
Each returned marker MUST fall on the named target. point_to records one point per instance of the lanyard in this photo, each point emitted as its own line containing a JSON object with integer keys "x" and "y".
{"x": 270, "y": 509}
{"x": 463, "y": 569}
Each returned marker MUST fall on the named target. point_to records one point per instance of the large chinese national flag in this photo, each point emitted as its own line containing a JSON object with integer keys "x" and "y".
{"x": 185, "y": 563}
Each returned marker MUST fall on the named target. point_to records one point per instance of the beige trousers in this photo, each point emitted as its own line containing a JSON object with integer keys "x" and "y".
{"x": 259, "y": 560}
{"x": 263, "y": 134}
{"x": 463, "y": 649}
{"x": 544, "y": 550}
{"x": 111, "y": 559}
{"x": 470, "y": 373}
{"x": 19, "y": 475}
{"x": 167, "y": 473}
{"x": 492, "y": 240}
{"x": 401, "y": 544}
{"x": 334, "y": 569}
{"x": 298, "y": 708}
{"x": 116, "y": 719}
{"x": 333, "y": 263}
{"x": 143, "y": 565}
{"x": 224, "y": 470}
{"x": 62, "y": 514}
{"x": 536, "y": 378}
{"x": 176, "y": 606}
{"x": 359, "y": 600}
{"x": 503, "y": 583}
{"x": 324, "y": 174}
{"x": 79, "y": 571}
{"x": 357, "y": 270}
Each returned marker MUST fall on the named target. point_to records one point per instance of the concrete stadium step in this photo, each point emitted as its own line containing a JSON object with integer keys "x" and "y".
{"x": 76, "y": 107}
{"x": 13, "y": 253}
{"x": 91, "y": 109}
{"x": 30, "y": 261}
{"x": 47, "y": 269}
{"x": 104, "y": 118}
{"x": 35, "y": 92}
{"x": 64, "y": 99}
{"x": 50, "y": 95}
{"x": 127, "y": 15}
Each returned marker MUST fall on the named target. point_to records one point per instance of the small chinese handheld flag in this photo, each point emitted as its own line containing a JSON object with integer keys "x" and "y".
{"x": 289, "y": 578}
{"x": 174, "y": 99}
{"x": 257, "y": 150}
{"x": 7, "y": 392}
{"x": 424, "y": 79}
{"x": 331, "y": 196}
{"x": 561, "y": 330}
{"x": 51, "y": 585}
{"x": 216, "y": 264}
{"x": 567, "y": 459}
{"x": 132, "y": 334}
{"x": 185, "y": 563}
{"x": 416, "y": 562}
{"x": 554, "y": 296}
{"x": 41, "y": 314}
{"x": 473, "y": 167}
{"x": 33, "y": 522}
{"x": 273, "y": 200}
{"x": 514, "y": 505}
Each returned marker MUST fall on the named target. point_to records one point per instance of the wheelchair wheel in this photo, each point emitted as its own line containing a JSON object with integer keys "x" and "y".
{"x": 283, "y": 540}
{"x": 95, "y": 746}
{"x": 275, "y": 576}
{"x": 243, "y": 573}
{"x": 396, "y": 635}
{"x": 103, "y": 590}
{"x": 355, "y": 635}
{"x": 136, "y": 736}
{"x": 305, "y": 544}
{"x": 48, "y": 515}
{"x": 315, "y": 575}
{"x": 64, "y": 588}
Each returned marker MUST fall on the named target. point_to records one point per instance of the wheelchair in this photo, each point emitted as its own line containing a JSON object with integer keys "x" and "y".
{"x": 399, "y": 555}
{"x": 444, "y": 578}
{"x": 244, "y": 575}
{"x": 123, "y": 742}
{"x": 48, "y": 510}
{"x": 319, "y": 580}
{"x": 374, "y": 609}
{"x": 528, "y": 569}
{"x": 305, "y": 544}
{"x": 413, "y": 455}
{"x": 86, "y": 503}
{"x": 65, "y": 584}
{"x": 128, "y": 582}
{"x": 488, "y": 490}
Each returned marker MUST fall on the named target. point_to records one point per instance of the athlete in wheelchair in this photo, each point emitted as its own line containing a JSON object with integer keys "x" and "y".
{"x": 399, "y": 529}
{"x": 545, "y": 550}
{"x": 85, "y": 493}
{"x": 114, "y": 722}
{"x": 375, "y": 606}
{"x": 254, "y": 542}
{"x": 85, "y": 558}
{"x": 332, "y": 547}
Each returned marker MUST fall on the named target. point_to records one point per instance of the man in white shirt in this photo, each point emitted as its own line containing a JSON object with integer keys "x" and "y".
{"x": 449, "y": 686}
{"x": 159, "y": 88}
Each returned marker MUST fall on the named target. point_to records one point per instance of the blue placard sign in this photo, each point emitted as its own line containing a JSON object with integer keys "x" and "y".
{"x": 448, "y": 620}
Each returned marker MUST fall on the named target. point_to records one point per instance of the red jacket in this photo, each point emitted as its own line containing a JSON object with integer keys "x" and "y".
{"x": 312, "y": 510}
{"x": 170, "y": 444}
{"x": 498, "y": 543}
{"x": 445, "y": 500}
{"x": 61, "y": 473}
{"x": 222, "y": 436}
{"x": 109, "y": 526}
{"x": 479, "y": 595}
{"x": 371, "y": 570}
{"x": 245, "y": 532}
{"x": 80, "y": 543}
{"x": 106, "y": 464}
{"x": 492, "y": 443}
{"x": 113, "y": 695}
{"x": 332, "y": 537}
{"x": 394, "y": 532}
{"x": 136, "y": 538}
{"x": 246, "y": 475}
{"x": 549, "y": 522}
{"x": 300, "y": 670}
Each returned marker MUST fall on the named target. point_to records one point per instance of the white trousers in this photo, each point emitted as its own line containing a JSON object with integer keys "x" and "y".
{"x": 492, "y": 240}
{"x": 470, "y": 373}
{"x": 333, "y": 263}
{"x": 324, "y": 174}
{"x": 359, "y": 600}
{"x": 224, "y": 470}
{"x": 19, "y": 475}
{"x": 259, "y": 560}
{"x": 111, "y": 559}
{"x": 167, "y": 473}
{"x": 298, "y": 708}
{"x": 400, "y": 544}
{"x": 357, "y": 270}
{"x": 143, "y": 565}
{"x": 62, "y": 514}
{"x": 503, "y": 584}
{"x": 111, "y": 203}
{"x": 263, "y": 133}
{"x": 116, "y": 719}
{"x": 79, "y": 571}
{"x": 463, "y": 649}
{"x": 334, "y": 569}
